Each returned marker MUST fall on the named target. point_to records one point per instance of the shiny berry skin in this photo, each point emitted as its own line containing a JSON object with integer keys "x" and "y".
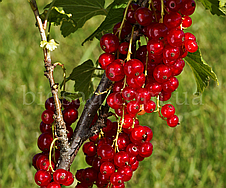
{"x": 126, "y": 29}
{"x": 129, "y": 93}
{"x": 45, "y": 127}
{"x": 133, "y": 68}
{"x": 115, "y": 71}
{"x": 143, "y": 95}
{"x": 132, "y": 149}
{"x": 82, "y": 185}
{"x": 44, "y": 141}
{"x": 128, "y": 121}
{"x": 141, "y": 53}
{"x": 171, "y": 53}
{"x": 191, "y": 46}
{"x": 109, "y": 126}
{"x": 168, "y": 110}
{"x": 186, "y": 21}
{"x": 175, "y": 37}
{"x": 118, "y": 86}
{"x": 138, "y": 133}
{"x": 159, "y": 31}
{"x": 155, "y": 47}
{"x": 96, "y": 163}
{"x": 109, "y": 43}
{"x": 70, "y": 179}
{"x": 70, "y": 115}
{"x": 188, "y": 7}
{"x": 133, "y": 107}
{"x": 123, "y": 141}
{"x": 60, "y": 176}
{"x": 143, "y": 16}
{"x": 54, "y": 185}
{"x": 105, "y": 59}
{"x": 149, "y": 106}
{"x": 44, "y": 165}
{"x": 171, "y": 84}
{"x": 134, "y": 165}
{"x": 106, "y": 152}
{"x": 89, "y": 148}
{"x": 154, "y": 88}
{"x": 173, "y": 121}
{"x": 47, "y": 116}
{"x": 126, "y": 171}
{"x": 177, "y": 67}
{"x": 114, "y": 100}
{"x": 42, "y": 177}
{"x": 145, "y": 149}
{"x": 49, "y": 104}
{"x": 34, "y": 159}
{"x": 78, "y": 175}
{"x": 136, "y": 82}
{"x": 116, "y": 179}
{"x": 121, "y": 159}
{"x": 172, "y": 20}
{"x": 162, "y": 73}
{"x": 130, "y": 13}
{"x": 123, "y": 48}
{"x": 189, "y": 36}
{"x": 107, "y": 168}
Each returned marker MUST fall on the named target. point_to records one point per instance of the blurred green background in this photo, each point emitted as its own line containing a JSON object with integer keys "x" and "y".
{"x": 191, "y": 155}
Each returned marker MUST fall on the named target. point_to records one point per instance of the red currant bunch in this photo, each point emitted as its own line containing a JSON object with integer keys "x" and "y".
{"x": 46, "y": 175}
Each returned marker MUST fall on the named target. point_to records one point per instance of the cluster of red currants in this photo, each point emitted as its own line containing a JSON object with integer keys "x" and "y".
{"x": 148, "y": 70}
{"x": 46, "y": 175}
{"x": 114, "y": 154}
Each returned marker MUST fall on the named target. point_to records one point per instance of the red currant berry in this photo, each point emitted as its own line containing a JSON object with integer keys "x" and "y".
{"x": 129, "y": 93}
{"x": 109, "y": 43}
{"x": 47, "y": 116}
{"x": 123, "y": 141}
{"x": 155, "y": 47}
{"x": 45, "y": 127}
{"x": 173, "y": 121}
{"x": 175, "y": 37}
{"x": 89, "y": 175}
{"x": 154, "y": 88}
{"x": 136, "y": 82}
{"x": 186, "y": 21}
{"x": 107, "y": 168}
{"x": 105, "y": 59}
{"x": 188, "y": 7}
{"x": 172, "y": 20}
{"x": 109, "y": 126}
{"x": 133, "y": 107}
{"x": 44, "y": 165}
{"x": 171, "y": 53}
{"x": 191, "y": 46}
{"x": 132, "y": 149}
{"x": 149, "y": 106}
{"x": 133, "y": 68}
{"x": 149, "y": 134}
{"x": 114, "y": 100}
{"x": 44, "y": 141}
{"x": 174, "y": 5}
{"x": 123, "y": 48}
{"x": 70, "y": 179}
{"x": 189, "y": 36}
{"x": 49, "y": 104}
{"x": 162, "y": 73}
{"x": 116, "y": 179}
{"x": 165, "y": 96}
{"x": 145, "y": 149}
{"x": 106, "y": 152}
{"x": 70, "y": 115}
{"x": 168, "y": 110}
{"x": 115, "y": 70}
{"x": 60, "y": 176}
{"x": 143, "y": 16}
{"x": 127, "y": 172}
{"x": 177, "y": 67}
{"x": 42, "y": 178}
{"x": 130, "y": 13}
{"x": 138, "y": 133}
{"x": 159, "y": 31}
{"x": 141, "y": 53}
{"x": 121, "y": 159}
{"x": 89, "y": 148}
{"x": 128, "y": 121}
{"x": 171, "y": 84}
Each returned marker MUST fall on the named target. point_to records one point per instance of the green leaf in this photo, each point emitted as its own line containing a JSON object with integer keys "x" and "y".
{"x": 114, "y": 16}
{"x": 81, "y": 11}
{"x": 202, "y": 71}
{"x": 82, "y": 75}
{"x": 214, "y": 6}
